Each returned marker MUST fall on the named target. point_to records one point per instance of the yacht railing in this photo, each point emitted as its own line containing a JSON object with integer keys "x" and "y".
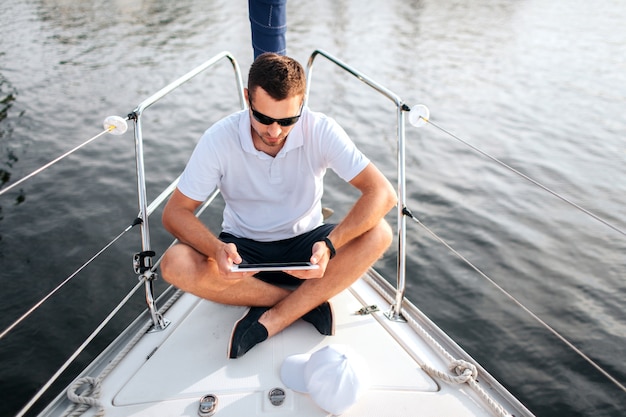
{"x": 395, "y": 312}
{"x": 142, "y": 261}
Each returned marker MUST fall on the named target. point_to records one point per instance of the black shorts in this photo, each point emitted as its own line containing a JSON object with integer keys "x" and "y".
{"x": 295, "y": 249}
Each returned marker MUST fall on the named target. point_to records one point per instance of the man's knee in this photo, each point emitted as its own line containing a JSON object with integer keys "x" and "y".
{"x": 378, "y": 239}
{"x": 180, "y": 263}
{"x": 168, "y": 264}
{"x": 383, "y": 234}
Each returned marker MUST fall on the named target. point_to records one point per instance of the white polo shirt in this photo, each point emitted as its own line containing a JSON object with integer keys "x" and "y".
{"x": 270, "y": 198}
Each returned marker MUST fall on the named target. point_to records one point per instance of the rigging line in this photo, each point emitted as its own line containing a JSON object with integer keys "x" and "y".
{"x": 51, "y": 293}
{"x": 137, "y": 221}
{"x": 518, "y": 303}
{"x": 526, "y": 177}
{"x": 49, "y": 164}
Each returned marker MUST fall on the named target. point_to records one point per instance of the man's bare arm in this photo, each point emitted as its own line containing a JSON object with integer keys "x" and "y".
{"x": 179, "y": 219}
{"x": 377, "y": 198}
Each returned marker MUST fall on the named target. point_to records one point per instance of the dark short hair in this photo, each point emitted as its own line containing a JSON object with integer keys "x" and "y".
{"x": 280, "y": 76}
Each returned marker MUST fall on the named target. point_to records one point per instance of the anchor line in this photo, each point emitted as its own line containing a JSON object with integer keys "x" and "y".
{"x": 562, "y": 338}
{"x": 527, "y": 178}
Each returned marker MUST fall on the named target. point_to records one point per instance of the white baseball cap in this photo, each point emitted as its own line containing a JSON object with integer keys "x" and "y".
{"x": 335, "y": 376}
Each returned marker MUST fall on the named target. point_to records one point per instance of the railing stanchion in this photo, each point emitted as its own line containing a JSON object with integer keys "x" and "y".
{"x": 395, "y": 312}
{"x": 143, "y": 260}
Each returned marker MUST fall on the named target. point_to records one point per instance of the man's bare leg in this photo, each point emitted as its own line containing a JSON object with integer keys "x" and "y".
{"x": 192, "y": 272}
{"x": 351, "y": 262}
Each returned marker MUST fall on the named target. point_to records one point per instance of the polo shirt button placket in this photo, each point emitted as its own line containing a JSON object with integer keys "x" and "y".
{"x": 276, "y": 175}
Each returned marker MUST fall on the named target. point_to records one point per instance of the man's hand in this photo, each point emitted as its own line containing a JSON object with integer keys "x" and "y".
{"x": 226, "y": 256}
{"x": 320, "y": 257}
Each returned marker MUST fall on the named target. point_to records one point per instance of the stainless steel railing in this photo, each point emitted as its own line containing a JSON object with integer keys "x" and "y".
{"x": 143, "y": 260}
{"x": 394, "y": 313}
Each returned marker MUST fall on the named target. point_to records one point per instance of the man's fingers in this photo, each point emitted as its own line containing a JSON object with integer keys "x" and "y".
{"x": 319, "y": 250}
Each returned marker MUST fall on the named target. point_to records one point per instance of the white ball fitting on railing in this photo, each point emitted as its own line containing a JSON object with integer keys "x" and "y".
{"x": 115, "y": 125}
{"x": 418, "y": 116}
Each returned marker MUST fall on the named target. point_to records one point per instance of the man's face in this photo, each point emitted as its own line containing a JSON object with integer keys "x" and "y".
{"x": 270, "y": 138}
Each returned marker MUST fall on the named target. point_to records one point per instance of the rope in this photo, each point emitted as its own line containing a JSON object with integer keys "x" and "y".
{"x": 82, "y": 347}
{"x": 466, "y": 372}
{"x": 502, "y": 290}
{"x": 519, "y": 304}
{"x": 87, "y": 398}
{"x": 91, "y": 398}
{"x": 48, "y": 384}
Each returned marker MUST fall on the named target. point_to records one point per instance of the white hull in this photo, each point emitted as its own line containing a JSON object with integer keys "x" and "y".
{"x": 167, "y": 372}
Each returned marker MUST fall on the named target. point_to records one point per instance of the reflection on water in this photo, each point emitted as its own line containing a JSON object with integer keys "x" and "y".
{"x": 538, "y": 84}
{"x": 8, "y": 158}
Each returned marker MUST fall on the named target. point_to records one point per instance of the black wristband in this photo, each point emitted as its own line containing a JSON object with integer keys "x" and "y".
{"x": 330, "y": 247}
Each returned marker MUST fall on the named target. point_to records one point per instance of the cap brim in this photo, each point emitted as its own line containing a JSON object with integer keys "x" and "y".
{"x": 292, "y": 372}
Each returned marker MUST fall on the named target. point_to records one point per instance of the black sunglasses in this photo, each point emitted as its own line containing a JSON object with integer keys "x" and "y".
{"x": 266, "y": 120}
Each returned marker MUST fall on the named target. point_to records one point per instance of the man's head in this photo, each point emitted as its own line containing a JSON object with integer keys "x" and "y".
{"x": 280, "y": 76}
{"x": 276, "y": 89}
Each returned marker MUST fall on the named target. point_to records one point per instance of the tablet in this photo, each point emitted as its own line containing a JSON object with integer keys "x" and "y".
{"x": 281, "y": 266}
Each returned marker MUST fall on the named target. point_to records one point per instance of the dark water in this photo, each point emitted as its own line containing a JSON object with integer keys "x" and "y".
{"x": 539, "y": 85}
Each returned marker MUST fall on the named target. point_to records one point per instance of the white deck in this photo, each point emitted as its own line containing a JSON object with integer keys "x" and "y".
{"x": 189, "y": 360}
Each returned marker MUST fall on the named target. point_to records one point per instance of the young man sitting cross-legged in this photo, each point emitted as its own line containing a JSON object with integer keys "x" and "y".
{"x": 269, "y": 163}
